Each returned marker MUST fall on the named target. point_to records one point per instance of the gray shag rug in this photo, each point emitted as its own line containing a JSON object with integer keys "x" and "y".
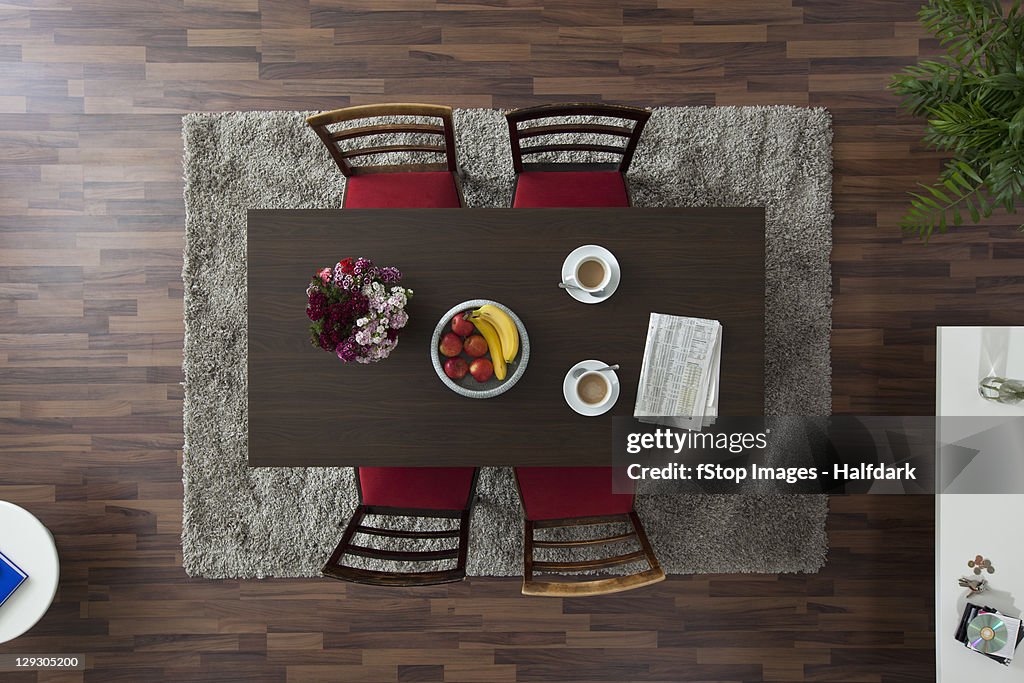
{"x": 241, "y": 522}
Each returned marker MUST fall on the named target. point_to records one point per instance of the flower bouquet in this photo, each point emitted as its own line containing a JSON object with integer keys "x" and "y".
{"x": 357, "y": 310}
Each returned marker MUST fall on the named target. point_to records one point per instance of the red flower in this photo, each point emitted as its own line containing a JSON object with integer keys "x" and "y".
{"x": 317, "y": 304}
{"x": 346, "y": 265}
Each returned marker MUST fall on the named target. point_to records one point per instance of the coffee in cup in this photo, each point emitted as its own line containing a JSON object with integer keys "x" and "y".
{"x": 592, "y": 273}
{"x": 593, "y": 388}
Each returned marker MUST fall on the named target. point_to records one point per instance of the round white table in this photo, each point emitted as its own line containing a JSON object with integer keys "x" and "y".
{"x": 28, "y": 544}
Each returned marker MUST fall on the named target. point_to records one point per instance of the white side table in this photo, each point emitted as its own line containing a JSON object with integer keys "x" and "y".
{"x": 28, "y": 544}
{"x": 959, "y": 536}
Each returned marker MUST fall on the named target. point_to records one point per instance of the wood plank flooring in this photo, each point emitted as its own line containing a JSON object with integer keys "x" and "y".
{"x": 125, "y": 603}
{"x": 91, "y": 215}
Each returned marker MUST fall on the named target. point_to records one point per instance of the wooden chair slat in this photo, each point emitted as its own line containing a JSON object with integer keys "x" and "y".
{"x": 440, "y": 167}
{"x": 558, "y": 129}
{"x": 543, "y": 166}
{"x": 603, "y": 586}
{"x": 378, "y": 578}
{"x": 546, "y": 111}
{"x": 366, "y": 111}
{"x": 605, "y": 540}
{"x": 577, "y": 521}
{"x": 385, "y": 149}
{"x": 402, "y": 533}
{"x": 403, "y": 555}
{"x": 387, "y": 129}
{"x": 538, "y": 149}
{"x": 583, "y": 565}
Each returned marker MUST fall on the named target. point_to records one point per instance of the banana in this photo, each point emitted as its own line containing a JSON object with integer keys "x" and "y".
{"x": 506, "y": 327}
{"x": 493, "y": 345}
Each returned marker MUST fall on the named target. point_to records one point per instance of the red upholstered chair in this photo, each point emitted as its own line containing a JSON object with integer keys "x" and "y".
{"x": 432, "y": 183}
{"x": 417, "y": 492}
{"x": 566, "y": 498}
{"x": 555, "y": 185}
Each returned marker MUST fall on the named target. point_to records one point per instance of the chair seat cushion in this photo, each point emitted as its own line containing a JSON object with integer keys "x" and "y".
{"x": 568, "y": 492}
{"x": 566, "y": 189}
{"x": 411, "y": 190}
{"x": 422, "y": 488}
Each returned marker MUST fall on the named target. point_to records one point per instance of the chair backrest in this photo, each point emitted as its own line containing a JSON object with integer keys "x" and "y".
{"x": 390, "y": 493}
{"x": 343, "y": 141}
{"x": 628, "y": 123}
{"x": 561, "y": 501}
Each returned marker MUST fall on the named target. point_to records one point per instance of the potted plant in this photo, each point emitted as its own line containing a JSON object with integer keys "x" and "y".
{"x": 973, "y": 97}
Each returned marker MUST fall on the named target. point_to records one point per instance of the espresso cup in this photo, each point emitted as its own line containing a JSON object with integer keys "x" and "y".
{"x": 593, "y": 389}
{"x": 592, "y": 273}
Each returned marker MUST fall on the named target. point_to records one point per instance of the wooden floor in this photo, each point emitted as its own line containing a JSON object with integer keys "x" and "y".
{"x": 91, "y": 215}
{"x": 124, "y": 601}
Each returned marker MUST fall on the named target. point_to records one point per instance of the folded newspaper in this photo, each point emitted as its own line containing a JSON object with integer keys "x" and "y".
{"x": 679, "y": 375}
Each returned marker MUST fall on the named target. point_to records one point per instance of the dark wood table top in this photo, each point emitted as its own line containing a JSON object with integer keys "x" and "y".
{"x": 307, "y": 408}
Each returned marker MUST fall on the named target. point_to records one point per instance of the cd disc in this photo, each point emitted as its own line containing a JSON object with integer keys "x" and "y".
{"x": 987, "y": 633}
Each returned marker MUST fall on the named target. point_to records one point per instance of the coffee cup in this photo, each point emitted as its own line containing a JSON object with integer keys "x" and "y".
{"x": 592, "y": 273}
{"x": 593, "y": 388}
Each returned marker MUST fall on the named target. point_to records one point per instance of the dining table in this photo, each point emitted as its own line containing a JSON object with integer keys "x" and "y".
{"x": 308, "y": 408}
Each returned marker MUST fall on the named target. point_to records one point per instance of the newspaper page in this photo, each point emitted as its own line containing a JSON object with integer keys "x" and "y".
{"x": 711, "y": 409}
{"x": 679, "y": 376}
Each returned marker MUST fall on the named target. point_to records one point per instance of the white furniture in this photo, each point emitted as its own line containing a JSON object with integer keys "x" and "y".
{"x": 963, "y": 359}
{"x": 28, "y": 544}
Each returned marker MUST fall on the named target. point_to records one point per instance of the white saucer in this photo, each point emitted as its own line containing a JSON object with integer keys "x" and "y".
{"x": 569, "y": 271}
{"x": 569, "y": 389}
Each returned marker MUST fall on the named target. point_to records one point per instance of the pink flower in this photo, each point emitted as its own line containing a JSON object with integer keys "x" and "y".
{"x": 325, "y": 275}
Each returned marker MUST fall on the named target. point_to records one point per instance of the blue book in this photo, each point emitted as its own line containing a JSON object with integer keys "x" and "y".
{"x": 11, "y": 576}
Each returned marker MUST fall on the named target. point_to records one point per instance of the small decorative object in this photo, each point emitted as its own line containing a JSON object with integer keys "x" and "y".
{"x": 357, "y": 310}
{"x": 979, "y": 564}
{"x": 975, "y": 586}
{"x": 1002, "y": 390}
{"x": 11, "y": 576}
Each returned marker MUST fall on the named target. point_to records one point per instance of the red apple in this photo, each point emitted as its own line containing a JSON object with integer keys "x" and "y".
{"x": 456, "y": 368}
{"x": 475, "y": 345}
{"x": 461, "y": 326}
{"x": 481, "y": 369}
{"x": 451, "y": 345}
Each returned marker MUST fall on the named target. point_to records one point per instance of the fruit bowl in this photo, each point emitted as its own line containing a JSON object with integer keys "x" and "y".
{"x": 468, "y": 386}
